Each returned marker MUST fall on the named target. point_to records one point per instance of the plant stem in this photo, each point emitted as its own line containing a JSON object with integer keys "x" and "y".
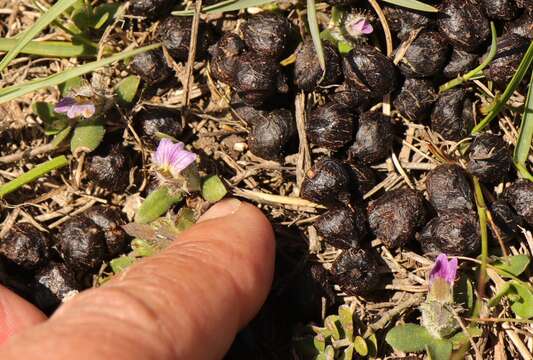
{"x": 50, "y": 48}
{"x": 525, "y": 136}
{"x": 511, "y": 87}
{"x": 469, "y": 75}
{"x": 482, "y": 213}
{"x": 33, "y": 174}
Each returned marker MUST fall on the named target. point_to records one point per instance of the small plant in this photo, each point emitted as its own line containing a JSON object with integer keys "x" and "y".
{"x": 340, "y": 335}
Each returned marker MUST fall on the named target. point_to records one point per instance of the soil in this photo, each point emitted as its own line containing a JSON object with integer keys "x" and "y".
{"x": 366, "y": 173}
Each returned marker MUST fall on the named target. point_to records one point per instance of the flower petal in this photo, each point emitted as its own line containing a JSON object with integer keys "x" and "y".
{"x": 64, "y": 105}
{"x": 443, "y": 269}
{"x": 172, "y": 156}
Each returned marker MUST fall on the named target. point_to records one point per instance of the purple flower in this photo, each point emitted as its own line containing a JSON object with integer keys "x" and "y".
{"x": 172, "y": 157}
{"x": 74, "y": 108}
{"x": 443, "y": 269}
{"x": 361, "y": 26}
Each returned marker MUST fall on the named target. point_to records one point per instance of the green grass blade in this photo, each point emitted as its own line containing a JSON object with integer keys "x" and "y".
{"x": 315, "y": 32}
{"x": 477, "y": 71}
{"x": 39, "y": 25}
{"x": 224, "y": 6}
{"x": 33, "y": 174}
{"x": 15, "y": 91}
{"x": 60, "y": 49}
{"x": 523, "y": 146}
{"x": 511, "y": 87}
{"x": 413, "y": 4}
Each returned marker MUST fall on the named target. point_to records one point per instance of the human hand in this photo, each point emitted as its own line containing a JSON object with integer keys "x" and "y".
{"x": 187, "y": 302}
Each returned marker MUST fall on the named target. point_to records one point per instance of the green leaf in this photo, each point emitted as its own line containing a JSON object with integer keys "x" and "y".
{"x": 330, "y": 323}
{"x": 372, "y": 343}
{"x": 513, "y": 265}
{"x": 61, "y": 49}
{"x": 462, "y": 338}
{"x": 103, "y": 14}
{"x": 413, "y": 4}
{"x": 186, "y": 219}
{"x": 524, "y": 306}
{"x": 142, "y": 248}
{"x": 213, "y": 189}
{"x": 127, "y": 89}
{"x": 525, "y": 136}
{"x": 156, "y": 204}
{"x": 42, "y": 22}
{"x": 61, "y": 136}
{"x": 87, "y": 135}
{"x": 53, "y": 122}
{"x": 344, "y": 47}
{"x": 67, "y": 86}
{"x": 315, "y": 32}
{"x": 509, "y": 89}
{"x": 224, "y": 6}
{"x": 408, "y": 338}
{"x": 14, "y": 91}
{"x": 319, "y": 342}
{"x": 360, "y": 346}
{"x": 440, "y": 349}
{"x": 33, "y": 174}
{"x": 120, "y": 263}
{"x": 346, "y": 320}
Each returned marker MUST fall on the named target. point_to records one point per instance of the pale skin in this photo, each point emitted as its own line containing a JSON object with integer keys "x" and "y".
{"x": 187, "y": 302}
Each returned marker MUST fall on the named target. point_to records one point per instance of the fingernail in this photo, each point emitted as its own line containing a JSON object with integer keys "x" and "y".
{"x": 221, "y": 209}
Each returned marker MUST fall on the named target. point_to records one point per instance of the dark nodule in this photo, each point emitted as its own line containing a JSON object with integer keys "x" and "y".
{"x": 330, "y": 125}
{"x": 448, "y": 187}
{"x": 356, "y": 271}
{"x": 25, "y": 245}
{"x": 510, "y": 50}
{"x": 157, "y": 122}
{"x": 374, "y": 138}
{"x": 342, "y": 226}
{"x": 460, "y": 63}
{"x": 151, "y": 66}
{"x": 489, "y": 158}
{"x": 455, "y": 233}
{"x": 426, "y": 56}
{"x": 452, "y": 116}
{"x": 415, "y": 99}
{"x": 109, "y": 167}
{"x": 307, "y": 69}
{"x": 271, "y": 134}
{"x": 520, "y": 196}
{"x": 224, "y": 55}
{"x": 396, "y": 216}
{"x": 327, "y": 182}
{"x": 268, "y": 34}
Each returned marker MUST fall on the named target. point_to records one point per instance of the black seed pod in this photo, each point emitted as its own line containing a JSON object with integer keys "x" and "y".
{"x": 369, "y": 71}
{"x": 363, "y": 177}
{"x": 452, "y": 115}
{"x": 52, "y": 285}
{"x": 82, "y": 244}
{"x": 307, "y": 70}
{"x": 175, "y": 34}
{"x": 415, "y": 99}
{"x": 110, "y": 222}
{"x": 396, "y": 216}
{"x": 520, "y": 196}
{"x": 330, "y": 125}
{"x": 449, "y": 188}
{"x": 270, "y": 137}
{"x": 426, "y": 55}
{"x": 403, "y": 21}
{"x": 463, "y": 23}
{"x": 356, "y": 271}
{"x": 224, "y": 56}
{"x": 268, "y": 34}
{"x": 350, "y": 97}
{"x": 156, "y": 122}
{"x": 500, "y": 9}
{"x": 151, "y": 9}
{"x": 522, "y": 26}
{"x": 454, "y": 233}
{"x": 257, "y": 78}
{"x": 505, "y": 217}
{"x": 374, "y": 138}
{"x": 489, "y": 158}
{"x": 327, "y": 182}
{"x": 151, "y": 66}
{"x": 342, "y": 227}
{"x": 460, "y": 63}
{"x": 109, "y": 167}
{"x": 510, "y": 50}
{"x": 25, "y": 245}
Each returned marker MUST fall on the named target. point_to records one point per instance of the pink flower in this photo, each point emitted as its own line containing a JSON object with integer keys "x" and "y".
{"x": 443, "y": 269}
{"x": 361, "y": 26}
{"x": 172, "y": 157}
{"x": 74, "y": 108}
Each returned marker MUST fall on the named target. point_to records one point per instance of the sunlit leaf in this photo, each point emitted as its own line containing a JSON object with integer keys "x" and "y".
{"x": 408, "y": 338}
{"x": 87, "y": 135}
{"x": 440, "y": 349}
{"x": 156, "y": 204}
{"x": 127, "y": 89}
{"x": 413, "y": 4}
{"x": 525, "y": 137}
{"x": 514, "y": 265}
{"x": 224, "y": 6}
